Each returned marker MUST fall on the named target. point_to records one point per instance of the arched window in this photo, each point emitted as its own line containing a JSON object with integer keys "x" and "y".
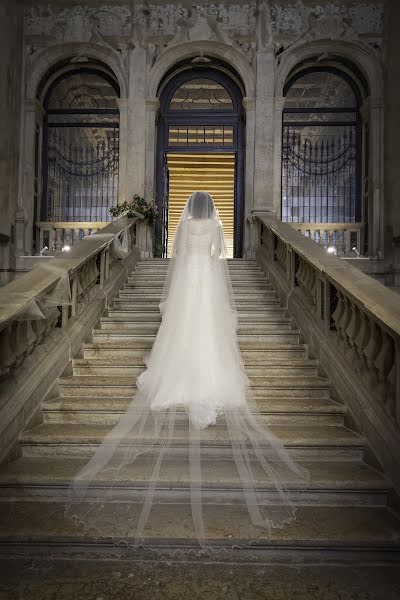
{"x": 80, "y": 147}
{"x": 321, "y": 148}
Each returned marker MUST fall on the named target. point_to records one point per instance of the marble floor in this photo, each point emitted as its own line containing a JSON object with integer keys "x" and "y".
{"x": 125, "y": 580}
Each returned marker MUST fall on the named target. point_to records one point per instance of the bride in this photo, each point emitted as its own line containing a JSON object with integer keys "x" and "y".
{"x": 193, "y": 410}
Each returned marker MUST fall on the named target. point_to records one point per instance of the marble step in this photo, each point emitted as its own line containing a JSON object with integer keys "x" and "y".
{"x": 135, "y": 282}
{"x": 278, "y": 325}
{"x": 137, "y": 304}
{"x": 323, "y": 442}
{"x": 290, "y": 336}
{"x": 251, "y": 273}
{"x": 239, "y": 288}
{"x": 115, "y": 368}
{"x": 132, "y": 314}
{"x": 262, "y": 383}
{"x": 238, "y": 291}
{"x": 367, "y": 534}
{"x": 107, "y": 410}
{"x": 258, "y": 355}
{"x": 344, "y": 482}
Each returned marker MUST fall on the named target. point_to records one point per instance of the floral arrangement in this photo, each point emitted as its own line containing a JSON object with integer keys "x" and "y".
{"x": 137, "y": 207}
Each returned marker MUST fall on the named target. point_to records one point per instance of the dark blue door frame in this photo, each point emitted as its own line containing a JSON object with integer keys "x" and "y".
{"x": 233, "y": 117}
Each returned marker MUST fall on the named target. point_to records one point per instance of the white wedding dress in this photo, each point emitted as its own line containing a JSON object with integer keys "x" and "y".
{"x": 193, "y": 396}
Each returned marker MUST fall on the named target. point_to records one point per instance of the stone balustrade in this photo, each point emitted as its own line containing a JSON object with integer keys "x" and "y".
{"x": 350, "y": 322}
{"x": 341, "y": 236}
{"x": 57, "y": 234}
{"x": 34, "y": 351}
{"x": 86, "y": 268}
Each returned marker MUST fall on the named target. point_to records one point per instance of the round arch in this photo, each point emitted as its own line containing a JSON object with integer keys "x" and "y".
{"x": 359, "y": 56}
{"x": 48, "y": 58}
{"x": 185, "y": 51}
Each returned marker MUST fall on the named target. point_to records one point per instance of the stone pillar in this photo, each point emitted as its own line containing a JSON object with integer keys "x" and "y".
{"x": 391, "y": 67}
{"x": 249, "y": 107}
{"x": 264, "y": 129}
{"x": 11, "y": 68}
{"x": 33, "y": 114}
{"x": 136, "y": 126}
{"x": 123, "y": 128}
{"x": 152, "y": 106}
{"x": 375, "y": 192}
{"x": 277, "y": 160}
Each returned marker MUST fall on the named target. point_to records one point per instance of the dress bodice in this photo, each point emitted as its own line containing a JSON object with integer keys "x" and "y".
{"x": 200, "y": 236}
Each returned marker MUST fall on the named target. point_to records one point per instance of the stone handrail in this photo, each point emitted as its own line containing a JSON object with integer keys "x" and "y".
{"x": 341, "y": 236}
{"x": 350, "y": 321}
{"x": 85, "y": 268}
{"x": 56, "y": 234}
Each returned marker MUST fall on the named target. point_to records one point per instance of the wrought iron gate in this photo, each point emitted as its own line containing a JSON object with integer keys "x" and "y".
{"x": 320, "y": 177}
{"x": 82, "y": 179}
{"x": 80, "y": 147}
{"x": 321, "y": 148}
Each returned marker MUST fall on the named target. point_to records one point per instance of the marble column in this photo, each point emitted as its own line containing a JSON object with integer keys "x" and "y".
{"x": 33, "y": 115}
{"x": 277, "y": 153}
{"x": 136, "y": 126}
{"x": 264, "y": 129}
{"x": 152, "y": 106}
{"x": 249, "y": 107}
{"x": 376, "y": 211}
{"x": 123, "y": 148}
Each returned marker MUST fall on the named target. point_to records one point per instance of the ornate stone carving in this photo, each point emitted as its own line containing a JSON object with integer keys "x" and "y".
{"x": 363, "y": 18}
{"x": 77, "y": 23}
{"x": 252, "y": 26}
{"x": 362, "y": 23}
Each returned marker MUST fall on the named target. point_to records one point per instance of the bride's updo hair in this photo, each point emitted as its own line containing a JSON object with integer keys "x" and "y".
{"x": 201, "y": 206}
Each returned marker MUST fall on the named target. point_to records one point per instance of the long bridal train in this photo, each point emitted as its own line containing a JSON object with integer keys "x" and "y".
{"x": 192, "y": 416}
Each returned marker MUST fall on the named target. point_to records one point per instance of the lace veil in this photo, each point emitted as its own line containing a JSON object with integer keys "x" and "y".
{"x": 161, "y": 477}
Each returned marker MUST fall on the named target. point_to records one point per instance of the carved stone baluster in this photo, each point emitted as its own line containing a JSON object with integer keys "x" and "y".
{"x": 347, "y": 248}
{"x": 68, "y": 237}
{"x": 361, "y": 338}
{"x": 340, "y": 242}
{"x": 339, "y": 310}
{"x": 299, "y": 273}
{"x": 314, "y": 286}
{"x": 58, "y": 241}
{"x": 344, "y": 320}
{"x": 352, "y": 328}
{"x": 385, "y": 357}
{"x": 372, "y": 348}
{"x": 30, "y": 338}
{"x": 7, "y": 350}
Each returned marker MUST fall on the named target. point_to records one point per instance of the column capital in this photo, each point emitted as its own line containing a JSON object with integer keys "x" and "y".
{"x": 279, "y": 102}
{"x": 152, "y": 104}
{"x": 34, "y": 106}
{"x": 249, "y": 103}
{"x": 122, "y": 103}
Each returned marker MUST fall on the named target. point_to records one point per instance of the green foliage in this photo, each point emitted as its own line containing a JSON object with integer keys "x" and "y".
{"x": 137, "y": 207}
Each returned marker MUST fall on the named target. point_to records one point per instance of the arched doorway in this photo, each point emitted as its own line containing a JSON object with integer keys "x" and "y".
{"x": 200, "y": 145}
{"x": 80, "y": 155}
{"x": 322, "y": 151}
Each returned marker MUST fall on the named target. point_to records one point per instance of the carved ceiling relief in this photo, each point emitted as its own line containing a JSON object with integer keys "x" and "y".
{"x": 248, "y": 27}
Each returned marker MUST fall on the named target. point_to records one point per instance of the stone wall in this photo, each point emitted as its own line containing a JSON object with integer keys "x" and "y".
{"x": 11, "y": 52}
{"x": 261, "y": 41}
{"x": 392, "y": 135}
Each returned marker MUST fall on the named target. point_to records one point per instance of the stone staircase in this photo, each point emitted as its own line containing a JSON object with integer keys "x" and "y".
{"x": 345, "y": 511}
